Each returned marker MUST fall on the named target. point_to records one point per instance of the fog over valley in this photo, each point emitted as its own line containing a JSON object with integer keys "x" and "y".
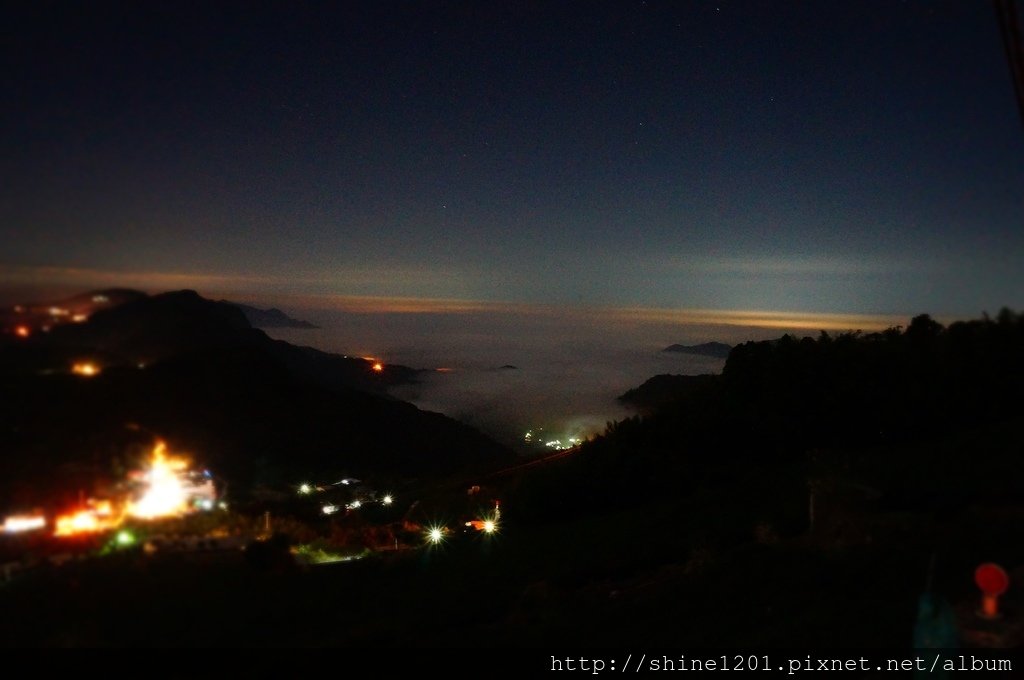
{"x": 507, "y": 374}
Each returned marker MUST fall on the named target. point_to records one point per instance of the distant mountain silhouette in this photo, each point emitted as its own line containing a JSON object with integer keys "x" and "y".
{"x": 661, "y": 391}
{"x": 194, "y": 371}
{"x": 150, "y": 329}
{"x": 706, "y": 349}
{"x": 869, "y": 388}
{"x": 269, "y": 318}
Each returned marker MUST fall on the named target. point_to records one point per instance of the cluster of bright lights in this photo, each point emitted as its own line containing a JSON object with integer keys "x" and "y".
{"x": 490, "y": 524}
{"x": 98, "y": 516}
{"x": 80, "y": 522}
{"x": 558, "y": 445}
{"x": 331, "y": 508}
{"x": 165, "y": 494}
{"x": 169, "y": 489}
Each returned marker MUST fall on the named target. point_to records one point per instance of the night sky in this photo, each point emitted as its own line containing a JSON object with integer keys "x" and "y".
{"x": 858, "y": 157}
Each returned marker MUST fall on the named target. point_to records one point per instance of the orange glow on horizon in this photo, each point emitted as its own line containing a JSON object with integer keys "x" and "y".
{"x": 781, "y": 320}
{"x": 770, "y": 319}
{"x": 22, "y": 331}
{"x": 378, "y": 367}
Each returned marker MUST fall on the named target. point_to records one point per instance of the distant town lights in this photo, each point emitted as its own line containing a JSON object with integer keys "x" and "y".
{"x": 559, "y": 445}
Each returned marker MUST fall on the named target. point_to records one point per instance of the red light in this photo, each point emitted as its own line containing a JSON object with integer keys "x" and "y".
{"x": 991, "y": 579}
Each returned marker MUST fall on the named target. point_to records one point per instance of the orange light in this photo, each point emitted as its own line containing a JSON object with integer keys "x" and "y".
{"x": 165, "y": 494}
{"x": 80, "y": 522}
{"x": 488, "y": 526}
{"x": 378, "y": 367}
{"x": 22, "y": 331}
{"x": 85, "y": 368}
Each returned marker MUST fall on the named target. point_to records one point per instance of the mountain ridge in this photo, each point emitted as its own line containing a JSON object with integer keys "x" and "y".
{"x": 706, "y": 349}
{"x": 195, "y": 372}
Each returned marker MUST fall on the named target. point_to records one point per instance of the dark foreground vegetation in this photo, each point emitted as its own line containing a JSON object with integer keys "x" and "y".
{"x": 831, "y": 481}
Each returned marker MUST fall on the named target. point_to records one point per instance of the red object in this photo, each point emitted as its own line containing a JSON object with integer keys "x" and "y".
{"x": 992, "y": 579}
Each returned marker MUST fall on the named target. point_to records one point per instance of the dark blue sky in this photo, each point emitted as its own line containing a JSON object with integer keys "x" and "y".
{"x": 860, "y": 157}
